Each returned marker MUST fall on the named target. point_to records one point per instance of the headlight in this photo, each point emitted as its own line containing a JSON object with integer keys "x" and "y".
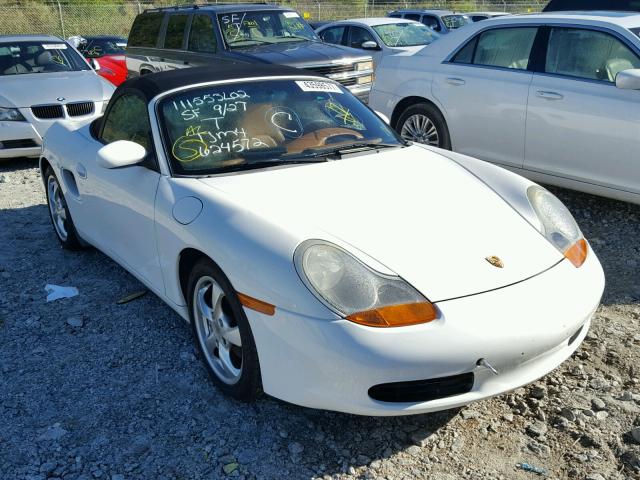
{"x": 356, "y": 291}
{"x": 11, "y": 115}
{"x": 365, "y": 65}
{"x": 558, "y": 226}
{"x": 364, "y": 80}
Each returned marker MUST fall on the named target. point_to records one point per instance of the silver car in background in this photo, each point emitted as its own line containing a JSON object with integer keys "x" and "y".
{"x": 43, "y": 80}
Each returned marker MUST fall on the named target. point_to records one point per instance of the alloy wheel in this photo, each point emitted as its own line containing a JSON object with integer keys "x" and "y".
{"x": 57, "y": 208}
{"x": 419, "y": 128}
{"x": 217, "y": 330}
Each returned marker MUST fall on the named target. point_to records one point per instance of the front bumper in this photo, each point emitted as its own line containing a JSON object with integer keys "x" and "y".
{"x": 524, "y": 331}
{"x": 15, "y": 138}
{"x": 33, "y": 130}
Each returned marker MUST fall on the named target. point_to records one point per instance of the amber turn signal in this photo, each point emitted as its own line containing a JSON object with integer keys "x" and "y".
{"x": 255, "y": 304}
{"x": 396, "y": 315}
{"x": 577, "y": 253}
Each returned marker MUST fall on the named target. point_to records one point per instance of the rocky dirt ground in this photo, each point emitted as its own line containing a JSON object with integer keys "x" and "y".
{"x": 92, "y": 389}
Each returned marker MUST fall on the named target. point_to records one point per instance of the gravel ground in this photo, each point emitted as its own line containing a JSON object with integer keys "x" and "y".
{"x": 92, "y": 389}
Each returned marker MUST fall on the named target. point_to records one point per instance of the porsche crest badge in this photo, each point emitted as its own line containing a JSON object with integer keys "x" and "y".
{"x": 495, "y": 261}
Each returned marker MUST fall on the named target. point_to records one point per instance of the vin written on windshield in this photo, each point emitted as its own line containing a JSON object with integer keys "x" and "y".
{"x": 248, "y": 28}
{"x": 235, "y": 126}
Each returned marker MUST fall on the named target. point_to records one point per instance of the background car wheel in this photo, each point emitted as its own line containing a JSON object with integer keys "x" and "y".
{"x": 222, "y": 333}
{"x": 423, "y": 123}
{"x": 59, "y": 213}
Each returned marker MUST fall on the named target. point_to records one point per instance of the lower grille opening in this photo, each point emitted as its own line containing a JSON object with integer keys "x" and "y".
{"x": 22, "y": 143}
{"x": 423, "y": 390}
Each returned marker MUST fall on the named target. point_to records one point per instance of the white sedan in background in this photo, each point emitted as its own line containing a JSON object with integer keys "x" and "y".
{"x": 554, "y": 97}
{"x": 44, "y": 80}
{"x": 316, "y": 254}
{"x": 379, "y": 36}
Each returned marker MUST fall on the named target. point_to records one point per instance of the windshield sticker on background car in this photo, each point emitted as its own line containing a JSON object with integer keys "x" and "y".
{"x": 285, "y": 120}
{"x": 197, "y": 143}
{"x": 343, "y": 115}
{"x": 315, "y": 86}
{"x": 54, "y": 46}
{"x": 290, "y": 15}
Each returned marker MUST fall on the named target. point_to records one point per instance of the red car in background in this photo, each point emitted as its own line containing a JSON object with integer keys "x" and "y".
{"x": 108, "y": 51}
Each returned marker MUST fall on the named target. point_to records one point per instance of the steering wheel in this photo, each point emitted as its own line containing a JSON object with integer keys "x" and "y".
{"x": 320, "y": 138}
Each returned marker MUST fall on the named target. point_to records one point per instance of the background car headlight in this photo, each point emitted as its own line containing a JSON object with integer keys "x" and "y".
{"x": 357, "y": 292}
{"x": 11, "y": 115}
{"x": 558, "y": 225}
{"x": 365, "y": 66}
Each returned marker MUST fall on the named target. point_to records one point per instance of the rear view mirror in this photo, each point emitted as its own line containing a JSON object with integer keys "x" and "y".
{"x": 122, "y": 153}
{"x": 628, "y": 79}
{"x": 370, "y": 45}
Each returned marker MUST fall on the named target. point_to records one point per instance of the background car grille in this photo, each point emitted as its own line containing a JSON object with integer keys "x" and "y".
{"x": 47, "y": 112}
{"x": 80, "y": 108}
{"x": 328, "y": 69}
{"x": 22, "y": 143}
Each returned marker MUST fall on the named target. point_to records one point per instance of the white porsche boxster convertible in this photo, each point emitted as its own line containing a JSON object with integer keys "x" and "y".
{"x": 318, "y": 256}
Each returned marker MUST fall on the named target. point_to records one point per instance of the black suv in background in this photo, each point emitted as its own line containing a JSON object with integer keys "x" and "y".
{"x": 179, "y": 37}
{"x": 571, "y": 5}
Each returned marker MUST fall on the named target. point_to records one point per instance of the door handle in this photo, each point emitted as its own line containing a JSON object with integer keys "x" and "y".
{"x": 549, "y": 95}
{"x": 456, "y": 81}
{"x": 81, "y": 170}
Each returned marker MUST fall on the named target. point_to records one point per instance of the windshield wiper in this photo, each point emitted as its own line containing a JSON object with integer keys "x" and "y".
{"x": 266, "y": 163}
{"x": 340, "y": 150}
{"x": 242, "y": 40}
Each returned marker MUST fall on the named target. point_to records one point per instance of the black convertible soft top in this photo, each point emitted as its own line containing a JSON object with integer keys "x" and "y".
{"x": 154, "y": 84}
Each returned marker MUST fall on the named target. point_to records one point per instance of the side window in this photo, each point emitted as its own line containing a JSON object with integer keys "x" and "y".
{"x": 431, "y": 22}
{"x": 357, "y": 36}
{"x": 128, "y": 119}
{"x": 465, "y": 54}
{"x": 202, "y": 37}
{"x": 413, "y": 16}
{"x": 588, "y": 54}
{"x": 175, "y": 31}
{"x": 333, "y": 35}
{"x": 145, "y": 29}
{"x": 505, "y": 47}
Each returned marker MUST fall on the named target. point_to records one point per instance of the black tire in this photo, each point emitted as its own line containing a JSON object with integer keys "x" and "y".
{"x": 436, "y": 118}
{"x": 66, "y": 233}
{"x": 249, "y": 385}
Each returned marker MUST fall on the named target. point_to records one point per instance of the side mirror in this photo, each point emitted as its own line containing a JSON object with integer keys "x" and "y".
{"x": 628, "y": 79}
{"x": 122, "y": 153}
{"x": 383, "y": 117}
{"x": 94, "y": 64}
{"x": 370, "y": 45}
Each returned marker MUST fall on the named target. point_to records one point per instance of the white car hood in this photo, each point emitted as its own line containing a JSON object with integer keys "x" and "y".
{"x": 419, "y": 214}
{"x": 22, "y": 91}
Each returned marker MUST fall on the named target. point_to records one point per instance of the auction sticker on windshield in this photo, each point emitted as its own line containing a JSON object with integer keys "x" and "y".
{"x": 315, "y": 86}
{"x": 54, "y": 46}
{"x": 290, "y": 15}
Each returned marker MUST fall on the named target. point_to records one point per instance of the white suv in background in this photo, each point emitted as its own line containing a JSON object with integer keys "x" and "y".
{"x": 554, "y": 97}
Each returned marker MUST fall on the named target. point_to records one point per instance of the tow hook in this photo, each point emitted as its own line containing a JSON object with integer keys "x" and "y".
{"x": 483, "y": 363}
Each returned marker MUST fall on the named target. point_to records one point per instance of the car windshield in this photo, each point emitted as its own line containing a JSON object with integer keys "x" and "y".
{"x": 248, "y": 125}
{"x": 19, "y": 58}
{"x": 99, "y": 47}
{"x": 405, "y": 34}
{"x": 246, "y": 29}
{"x": 456, "y": 21}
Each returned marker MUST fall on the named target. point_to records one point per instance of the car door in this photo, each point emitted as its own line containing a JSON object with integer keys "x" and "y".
{"x": 483, "y": 88}
{"x": 357, "y": 36}
{"x": 173, "y": 43}
{"x": 118, "y": 204}
{"x": 203, "y": 46}
{"x": 579, "y": 124}
{"x": 335, "y": 35}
